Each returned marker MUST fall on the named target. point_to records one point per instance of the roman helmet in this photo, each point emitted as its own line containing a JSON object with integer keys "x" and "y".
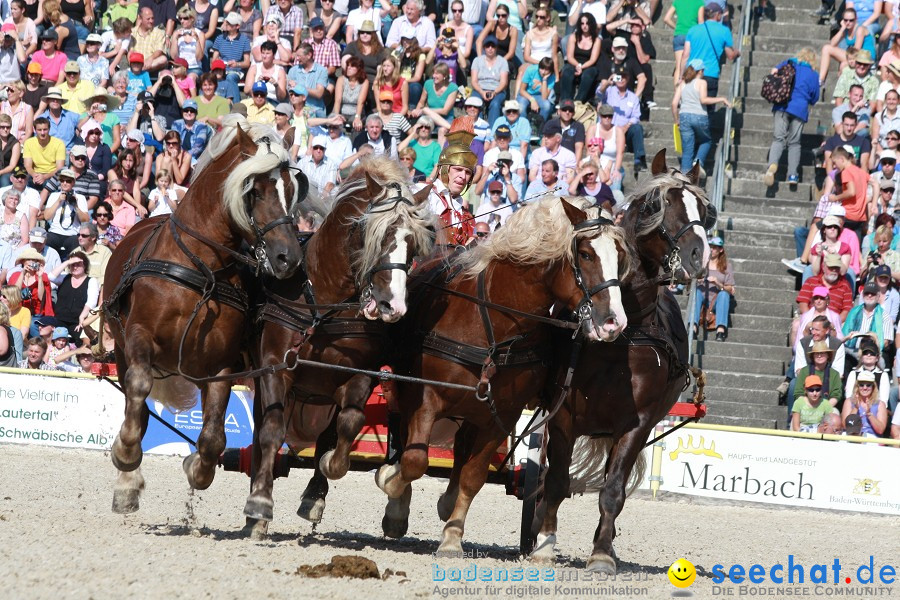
{"x": 458, "y": 152}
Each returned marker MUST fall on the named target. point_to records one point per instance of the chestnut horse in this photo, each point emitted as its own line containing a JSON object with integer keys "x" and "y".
{"x": 620, "y": 391}
{"x": 359, "y": 257}
{"x": 176, "y": 306}
{"x": 547, "y": 253}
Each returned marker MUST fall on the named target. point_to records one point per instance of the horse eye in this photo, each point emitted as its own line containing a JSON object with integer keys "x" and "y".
{"x": 586, "y": 256}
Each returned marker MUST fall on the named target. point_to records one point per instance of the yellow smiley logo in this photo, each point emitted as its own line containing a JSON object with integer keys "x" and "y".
{"x": 682, "y": 573}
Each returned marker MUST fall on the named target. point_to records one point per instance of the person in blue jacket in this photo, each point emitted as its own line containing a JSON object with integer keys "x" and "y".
{"x": 790, "y": 116}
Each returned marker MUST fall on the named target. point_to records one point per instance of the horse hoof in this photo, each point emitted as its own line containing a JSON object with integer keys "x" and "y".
{"x": 259, "y": 508}
{"x": 121, "y": 465}
{"x": 256, "y": 530}
{"x": 394, "y": 528}
{"x": 189, "y": 466}
{"x": 544, "y": 549}
{"x": 311, "y": 509}
{"x": 601, "y": 563}
{"x": 450, "y": 550}
{"x": 325, "y": 467}
{"x": 126, "y": 501}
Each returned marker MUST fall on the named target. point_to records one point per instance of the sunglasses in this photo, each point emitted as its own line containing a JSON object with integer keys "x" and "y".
{"x": 79, "y": 158}
{"x": 5, "y": 126}
{"x": 481, "y": 234}
{"x": 83, "y": 235}
{"x": 814, "y": 389}
{"x": 456, "y": 11}
{"x": 171, "y": 143}
{"x": 866, "y": 384}
{"x": 259, "y": 94}
{"x": 66, "y": 180}
{"x": 495, "y": 192}
{"x": 831, "y": 227}
{"x": 98, "y": 215}
{"x": 501, "y": 15}
{"x": 116, "y": 191}
{"x": 188, "y": 110}
{"x": 540, "y": 16}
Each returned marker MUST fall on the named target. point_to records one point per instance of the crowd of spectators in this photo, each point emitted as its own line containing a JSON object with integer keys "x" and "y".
{"x": 844, "y": 370}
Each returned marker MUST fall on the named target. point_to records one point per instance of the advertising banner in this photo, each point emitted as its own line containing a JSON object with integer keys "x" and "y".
{"x": 782, "y": 470}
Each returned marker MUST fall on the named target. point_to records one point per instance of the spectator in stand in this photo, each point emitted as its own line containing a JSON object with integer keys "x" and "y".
{"x": 462, "y": 32}
{"x": 19, "y": 316}
{"x": 681, "y": 16}
{"x": 366, "y": 13}
{"x": 516, "y": 12}
{"x": 551, "y": 147}
{"x": 189, "y": 42}
{"x": 507, "y": 35}
{"x": 489, "y": 78}
{"x": 35, "y": 87}
{"x": 500, "y": 169}
{"x": 850, "y": 34}
{"x": 495, "y": 208}
{"x": 865, "y": 403}
{"x": 86, "y": 183}
{"x": 535, "y": 88}
{"x": 376, "y": 137}
{"x": 29, "y": 198}
{"x": 819, "y": 307}
{"x": 884, "y": 180}
{"x": 689, "y": 109}
{"x": 332, "y": 18}
{"x": 34, "y": 356}
{"x": 411, "y": 24}
{"x": 838, "y": 288}
{"x": 96, "y": 253}
{"x": 858, "y": 105}
{"x": 886, "y": 121}
{"x": 582, "y": 56}
{"x": 519, "y": 128}
{"x": 26, "y": 31}
{"x": 716, "y": 290}
{"x": 13, "y": 224}
{"x": 548, "y": 183}
{"x": 882, "y": 254}
{"x": 407, "y": 158}
{"x": 612, "y": 139}
{"x": 74, "y": 88}
{"x": 292, "y": 16}
{"x": 65, "y": 211}
{"x": 892, "y": 83}
{"x": 830, "y": 243}
{"x": 33, "y": 284}
{"x": 853, "y": 195}
{"x": 63, "y": 123}
{"x": 10, "y": 150}
{"x": 20, "y": 113}
{"x": 78, "y": 291}
{"x": 165, "y": 198}
{"x": 790, "y": 116}
{"x": 251, "y": 17}
{"x": 709, "y": 41}
{"x": 869, "y": 360}
{"x": 99, "y": 157}
{"x": 367, "y": 48}
{"x": 619, "y": 63}
{"x": 411, "y": 66}
{"x": 820, "y": 363}
{"x": 322, "y": 173}
{"x": 272, "y": 33}
{"x": 818, "y": 330}
{"x": 427, "y": 150}
{"x": 627, "y": 115}
{"x": 258, "y": 108}
{"x": 492, "y": 158}
{"x": 149, "y": 41}
{"x": 326, "y": 52}
{"x": 50, "y": 59}
{"x": 194, "y": 135}
{"x": 809, "y": 411}
{"x": 108, "y": 234}
{"x": 573, "y": 135}
{"x": 868, "y": 317}
{"x": 312, "y": 76}
{"x": 210, "y": 107}
{"x": 232, "y": 48}
{"x": 587, "y": 183}
{"x": 175, "y": 159}
{"x": 439, "y": 98}
{"x": 388, "y": 79}
{"x": 861, "y": 74}
{"x": 43, "y": 154}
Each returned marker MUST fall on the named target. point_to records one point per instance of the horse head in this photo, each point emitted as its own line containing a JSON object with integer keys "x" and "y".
{"x": 396, "y": 229}
{"x": 600, "y": 259}
{"x": 669, "y": 216}
{"x": 263, "y": 211}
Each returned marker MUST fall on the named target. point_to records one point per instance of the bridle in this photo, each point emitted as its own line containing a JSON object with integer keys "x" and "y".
{"x": 387, "y": 204}
{"x": 586, "y": 306}
{"x": 672, "y": 259}
{"x": 258, "y": 248}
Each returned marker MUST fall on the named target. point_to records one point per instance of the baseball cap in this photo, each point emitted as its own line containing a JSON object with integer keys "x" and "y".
{"x": 180, "y": 62}
{"x": 78, "y": 150}
{"x": 234, "y": 18}
{"x": 495, "y": 186}
{"x": 866, "y": 376}
{"x": 812, "y": 380}
{"x": 821, "y": 291}
{"x": 887, "y": 184}
{"x": 300, "y": 90}
{"x": 72, "y": 67}
{"x": 316, "y": 22}
{"x": 93, "y": 38}
{"x": 474, "y": 101}
{"x": 716, "y": 241}
{"x": 35, "y": 67}
{"x": 837, "y": 211}
{"x": 890, "y": 154}
{"x": 505, "y": 155}
{"x": 67, "y": 173}
{"x": 714, "y": 7}
{"x": 567, "y": 104}
{"x": 49, "y": 34}
{"x": 259, "y": 86}
{"x": 46, "y": 321}
{"x": 146, "y": 96}
{"x": 551, "y": 128}
{"x": 619, "y": 42}
{"x": 19, "y": 172}
{"x": 320, "y": 140}
{"x": 8, "y": 28}
{"x": 136, "y": 57}
{"x": 833, "y": 260}
{"x": 511, "y": 105}
{"x": 284, "y": 108}
{"x": 189, "y": 103}
{"x": 503, "y": 131}
{"x": 274, "y": 18}
{"x": 605, "y": 110}
{"x": 217, "y": 64}
{"x": 697, "y": 64}
{"x": 136, "y": 135}
{"x": 60, "y": 332}
{"x": 386, "y": 95}
{"x": 882, "y": 271}
{"x": 831, "y": 220}
{"x": 37, "y": 234}
{"x": 489, "y": 40}
{"x": 853, "y": 423}
{"x": 871, "y": 288}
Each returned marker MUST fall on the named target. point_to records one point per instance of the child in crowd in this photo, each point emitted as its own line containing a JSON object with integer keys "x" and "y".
{"x": 138, "y": 78}
{"x": 809, "y": 410}
{"x": 60, "y": 349}
{"x": 163, "y": 200}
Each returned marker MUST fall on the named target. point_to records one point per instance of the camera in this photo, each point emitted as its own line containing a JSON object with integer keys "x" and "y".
{"x": 616, "y": 78}
{"x": 875, "y": 255}
{"x": 70, "y": 198}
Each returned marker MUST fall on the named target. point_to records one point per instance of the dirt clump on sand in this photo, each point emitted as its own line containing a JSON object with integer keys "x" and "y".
{"x": 356, "y": 567}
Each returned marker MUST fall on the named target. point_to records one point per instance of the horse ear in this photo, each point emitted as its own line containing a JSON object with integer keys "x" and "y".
{"x": 372, "y": 186}
{"x": 575, "y": 214}
{"x": 422, "y": 195}
{"x": 245, "y": 142}
{"x": 694, "y": 174}
{"x": 659, "y": 163}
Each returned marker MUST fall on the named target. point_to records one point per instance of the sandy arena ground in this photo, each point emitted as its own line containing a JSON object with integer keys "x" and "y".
{"x": 59, "y": 539}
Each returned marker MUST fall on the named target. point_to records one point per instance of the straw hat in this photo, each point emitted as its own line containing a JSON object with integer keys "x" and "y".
{"x": 821, "y": 346}
{"x": 30, "y": 253}
{"x": 54, "y": 93}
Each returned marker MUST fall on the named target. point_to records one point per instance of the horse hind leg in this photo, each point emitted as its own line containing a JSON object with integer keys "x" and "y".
{"x": 462, "y": 450}
{"x": 352, "y": 398}
{"x": 200, "y": 467}
{"x": 312, "y": 503}
{"x": 126, "y": 453}
{"x": 127, "y": 492}
{"x": 556, "y": 489}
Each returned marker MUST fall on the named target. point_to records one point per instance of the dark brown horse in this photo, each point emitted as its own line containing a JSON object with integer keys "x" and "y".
{"x": 622, "y": 390}
{"x": 175, "y": 304}
{"x": 549, "y": 252}
{"x": 360, "y": 255}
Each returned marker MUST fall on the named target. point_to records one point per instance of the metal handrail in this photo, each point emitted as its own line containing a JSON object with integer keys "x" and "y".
{"x": 723, "y": 151}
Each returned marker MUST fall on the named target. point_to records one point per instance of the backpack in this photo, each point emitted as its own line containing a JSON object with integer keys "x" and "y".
{"x": 777, "y": 87}
{"x": 586, "y": 115}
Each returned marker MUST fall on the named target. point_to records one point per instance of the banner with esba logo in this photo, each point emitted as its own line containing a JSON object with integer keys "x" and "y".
{"x": 79, "y": 412}
{"x": 782, "y": 470}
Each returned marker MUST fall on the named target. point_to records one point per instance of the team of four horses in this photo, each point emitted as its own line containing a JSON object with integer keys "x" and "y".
{"x": 479, "y": 340}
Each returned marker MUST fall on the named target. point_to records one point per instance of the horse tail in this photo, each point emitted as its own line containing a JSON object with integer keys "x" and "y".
{"x": 176, "y": 393}
{"x": 587, "y": 471}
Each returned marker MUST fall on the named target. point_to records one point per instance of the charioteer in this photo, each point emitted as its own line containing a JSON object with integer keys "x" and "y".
{"x": 456, "y": 170}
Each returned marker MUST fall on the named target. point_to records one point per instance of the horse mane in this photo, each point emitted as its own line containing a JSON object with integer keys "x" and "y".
{"x": 540, "y": 232}
{"x": 269, "y": 156}
{"x": 418, "y": 218}
{"x": 653, "y": 192}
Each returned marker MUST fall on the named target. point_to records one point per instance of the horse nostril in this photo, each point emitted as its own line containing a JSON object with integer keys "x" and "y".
{"x": 385, "y": 306}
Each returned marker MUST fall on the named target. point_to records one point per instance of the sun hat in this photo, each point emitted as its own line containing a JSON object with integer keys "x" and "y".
{"x": 864, "y": 57}
{"x": 54, "y": 93}
{"x": 837, "y": 211}
{"x": 30, "y": 253}
{"x": 474, "y": 101}
{"x": 93, "y": 38}
{"x": 867, "y": 376}
{"x": 367, "y": 27}
{"x": 820, "y": 346}
{"x": 284, "y": 108}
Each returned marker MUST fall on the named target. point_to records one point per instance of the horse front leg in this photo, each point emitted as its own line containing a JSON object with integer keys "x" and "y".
{"x": 462, "y": 450}
{"x": 394, "y": 480}
{"x": 622, "y": 457}
{"x": 200, "y": 467}
{"x": 271, "y": 395}
{"x": 556, "y": 484}
{"x": 351, "y": 398}
{"x": 134, "y": 364}
{"x": 471, "y": 480}
{"x": 312, "y": 503}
